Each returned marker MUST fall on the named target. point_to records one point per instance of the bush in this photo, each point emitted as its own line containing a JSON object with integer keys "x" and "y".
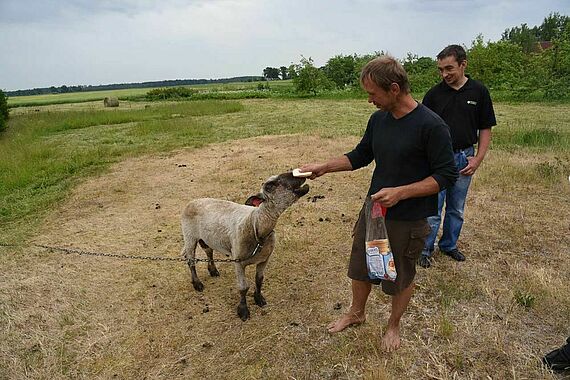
{"x": 487, "y": 64}
{"x": 3, "y": 110}
{"x": 263, "y": 87}
{"x": 171, "y": 93}
{"x": 340, "y": 69}
{"x": 422, "y": 72}
{"x": 309, "y": 79}
{"x": 536, "y": 74}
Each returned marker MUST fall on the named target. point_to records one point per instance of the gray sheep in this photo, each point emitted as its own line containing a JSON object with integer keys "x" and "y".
{"x": 242, "y": 232}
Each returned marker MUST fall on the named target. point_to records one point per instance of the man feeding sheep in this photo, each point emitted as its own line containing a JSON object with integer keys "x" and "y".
{"x": 411, "y": 147}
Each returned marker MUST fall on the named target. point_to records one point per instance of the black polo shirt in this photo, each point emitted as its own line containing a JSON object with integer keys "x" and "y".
{"x": 465, "y": 110}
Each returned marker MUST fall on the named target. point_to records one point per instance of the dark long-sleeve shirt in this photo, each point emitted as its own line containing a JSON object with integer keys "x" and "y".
{"x": 407, "y": 150}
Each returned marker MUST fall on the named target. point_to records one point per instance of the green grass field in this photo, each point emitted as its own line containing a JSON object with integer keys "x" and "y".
{"x": 139, "y": 93}
{"x": 73, "y": 97}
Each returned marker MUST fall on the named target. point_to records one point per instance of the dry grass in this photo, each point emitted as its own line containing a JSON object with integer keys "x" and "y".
{"x": 67, "y": 316}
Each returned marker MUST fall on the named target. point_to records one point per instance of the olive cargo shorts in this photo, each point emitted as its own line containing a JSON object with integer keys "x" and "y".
{"x": 407, "y": 239}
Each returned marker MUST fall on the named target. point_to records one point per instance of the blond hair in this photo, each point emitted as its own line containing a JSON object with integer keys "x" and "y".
{"x": 385, "y": 70}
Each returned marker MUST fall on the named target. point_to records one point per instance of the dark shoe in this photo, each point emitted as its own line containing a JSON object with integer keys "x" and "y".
{"x": 424, "y": 261}
{"x": 455, "y": 254}
{"x": 556, "y": 360}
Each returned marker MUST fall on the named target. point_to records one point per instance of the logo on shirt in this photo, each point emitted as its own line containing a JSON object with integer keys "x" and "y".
{"x": 472, "y": 102}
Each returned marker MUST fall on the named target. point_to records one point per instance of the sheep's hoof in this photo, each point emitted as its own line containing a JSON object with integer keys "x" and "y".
{"x": 214, "y": 272}
{"x": 259, "y": 299}
{"x": 198, "y": 286}
{"x": 243, "y": 312}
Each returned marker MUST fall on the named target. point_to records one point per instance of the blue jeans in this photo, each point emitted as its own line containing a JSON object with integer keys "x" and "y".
{"x": 454, "y": 199}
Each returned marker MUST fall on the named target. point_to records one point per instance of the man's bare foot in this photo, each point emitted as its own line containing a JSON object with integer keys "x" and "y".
{"x": 346, "y": 320}
{"x": 391, "y": 340}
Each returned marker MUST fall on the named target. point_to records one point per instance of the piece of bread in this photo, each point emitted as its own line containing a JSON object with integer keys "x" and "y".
{"x": 298, "y": 173}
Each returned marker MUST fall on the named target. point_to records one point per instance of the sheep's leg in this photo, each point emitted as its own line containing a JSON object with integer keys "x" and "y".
{"x": 257, "y": 296}
{"x": 210, "y": 253}
{"x": 243, "y": 286}
{"x": 189, "y": 253}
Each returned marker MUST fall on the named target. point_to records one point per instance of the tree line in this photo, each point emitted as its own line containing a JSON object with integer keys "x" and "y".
{"x": 525, "y": 64}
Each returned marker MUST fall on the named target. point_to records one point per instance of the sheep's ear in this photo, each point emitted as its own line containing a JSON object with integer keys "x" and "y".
{"x": 255, "y": 200}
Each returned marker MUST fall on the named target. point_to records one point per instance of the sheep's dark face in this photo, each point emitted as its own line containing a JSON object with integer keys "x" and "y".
{"x": 284, "y": 185}
{"x": 281, "y": 190}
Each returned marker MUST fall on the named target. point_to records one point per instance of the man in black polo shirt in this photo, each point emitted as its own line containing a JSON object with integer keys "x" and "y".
{"x": 411, "y": 148}
{"x": 465, "y": 105}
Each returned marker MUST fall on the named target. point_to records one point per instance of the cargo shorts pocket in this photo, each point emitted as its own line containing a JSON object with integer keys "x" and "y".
{"x": 417, "y": 240}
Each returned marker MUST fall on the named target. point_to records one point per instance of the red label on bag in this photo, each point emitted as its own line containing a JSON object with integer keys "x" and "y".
{"x": 378, "y": 210}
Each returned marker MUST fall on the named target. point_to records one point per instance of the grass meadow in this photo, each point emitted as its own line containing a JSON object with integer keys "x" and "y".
{"x": 73, "y": 97}
{"x": 212, "y": 90}
{"x": 115, "y": 180}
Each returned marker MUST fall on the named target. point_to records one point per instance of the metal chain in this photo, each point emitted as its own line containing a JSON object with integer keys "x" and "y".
{"x": 118, "y": 256}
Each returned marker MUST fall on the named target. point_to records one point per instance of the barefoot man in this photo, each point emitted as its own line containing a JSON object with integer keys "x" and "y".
{"x": 411, "y": 148}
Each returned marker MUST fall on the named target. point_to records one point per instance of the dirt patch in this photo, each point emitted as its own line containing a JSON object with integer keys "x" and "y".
{"x": 137, "y": 205}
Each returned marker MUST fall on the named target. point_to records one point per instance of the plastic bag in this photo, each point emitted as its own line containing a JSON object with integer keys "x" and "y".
{"x": 379, "y": 257}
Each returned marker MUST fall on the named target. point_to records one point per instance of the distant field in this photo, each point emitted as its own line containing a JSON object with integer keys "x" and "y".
{"x": 73, "y": 97}
{"x": 135, "y": 93}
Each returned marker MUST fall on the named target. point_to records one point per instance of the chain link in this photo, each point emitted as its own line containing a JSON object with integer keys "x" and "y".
{"x": 118, "y": 256}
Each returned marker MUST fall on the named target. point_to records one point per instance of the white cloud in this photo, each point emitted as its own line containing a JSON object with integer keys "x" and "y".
{"x": 74, "y": 42}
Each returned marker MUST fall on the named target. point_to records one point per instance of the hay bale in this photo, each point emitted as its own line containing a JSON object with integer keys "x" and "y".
{"x": 111, "y": 101}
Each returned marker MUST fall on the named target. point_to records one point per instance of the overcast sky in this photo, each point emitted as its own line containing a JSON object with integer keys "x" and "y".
{"x": 88, "y": 42}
